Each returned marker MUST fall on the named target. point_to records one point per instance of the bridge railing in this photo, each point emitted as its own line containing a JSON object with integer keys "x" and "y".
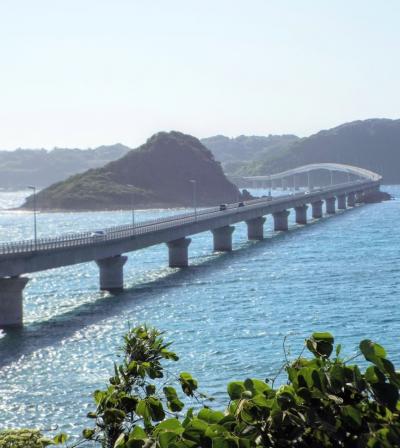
{"x": 128, "y": 230}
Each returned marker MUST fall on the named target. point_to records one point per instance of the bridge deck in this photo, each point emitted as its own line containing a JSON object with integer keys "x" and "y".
{"x": 17, "y": 258}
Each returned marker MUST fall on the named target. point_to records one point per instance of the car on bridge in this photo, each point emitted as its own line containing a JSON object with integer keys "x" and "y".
{"x": 98, "y": 234}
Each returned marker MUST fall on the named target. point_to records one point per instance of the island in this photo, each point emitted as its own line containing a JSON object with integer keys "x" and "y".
{"x": 171, "y": 169}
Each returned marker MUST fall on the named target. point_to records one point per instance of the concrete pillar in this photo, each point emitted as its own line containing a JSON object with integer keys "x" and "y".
{"x": 317, "y": 209}
{"x": 281, "y": 220}
{"x": 330, "y": 205}
{"x": 351, "y": 199}
{"x": 255, "y": 228}
{"x": 178, "y": 253}
{"x": 301, "y": 214}
{"x": 112, "y": 273}
{"x": 341, "y": 202}
{"x": 11, "y": 295}
{"x": 223, "y": 238}
{"x": 359, "y": 197}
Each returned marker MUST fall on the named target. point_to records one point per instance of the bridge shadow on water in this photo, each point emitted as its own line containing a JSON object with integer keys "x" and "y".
{"x": 34, "y": 336}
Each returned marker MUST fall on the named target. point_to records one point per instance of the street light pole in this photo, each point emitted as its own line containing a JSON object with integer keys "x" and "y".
{"x": 194, "y": 183}
{"x": 34, "y": 215}
{"x": 270, "y": 186}
{"x": 132, "y": 207}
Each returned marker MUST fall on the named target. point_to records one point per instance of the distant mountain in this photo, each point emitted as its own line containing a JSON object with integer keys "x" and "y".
{"x": 157, "y": 174}
{"x": 373, "y": 144}
{"x": 232, "y": 152}
{"x": 41, "y": 168}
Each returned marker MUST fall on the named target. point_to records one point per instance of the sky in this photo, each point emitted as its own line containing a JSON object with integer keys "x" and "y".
{"x": 83, "y": 73}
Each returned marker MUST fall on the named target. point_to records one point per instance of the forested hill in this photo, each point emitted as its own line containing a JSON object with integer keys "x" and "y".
{"x": 373, "y": 144}
{"x": 232, "y": 152}
{"x": 42, "y": 168}
{"x": 157, "y": 174}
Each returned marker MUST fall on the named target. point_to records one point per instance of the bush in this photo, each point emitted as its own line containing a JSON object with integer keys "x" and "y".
{"x": 326, "y": 402}
{"x": 22, "y": 438}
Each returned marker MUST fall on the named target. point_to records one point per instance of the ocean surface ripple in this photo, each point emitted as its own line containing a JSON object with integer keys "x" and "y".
{"x": 227, "y": 314}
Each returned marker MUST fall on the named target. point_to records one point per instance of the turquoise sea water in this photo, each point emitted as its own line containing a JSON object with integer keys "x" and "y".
{"x": 227, "y": 314}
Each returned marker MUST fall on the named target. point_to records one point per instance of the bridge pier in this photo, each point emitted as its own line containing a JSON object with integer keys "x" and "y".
{"x": 178, "y": 253}
{"x": 341, "y": 204}
{"x": 359, "y": 197}
{"x": 112, "y": 273}
{"x": 317, "y": 209}
{"x": 223, "y": 238}
{"x": 11, "y": 298}
{"x": 301, "y": 214}
{"x": 330, "y": 205}
{"x": 281, "y": 220}
{"x": 255, "y": 228}
{"x": 351, "y": 200}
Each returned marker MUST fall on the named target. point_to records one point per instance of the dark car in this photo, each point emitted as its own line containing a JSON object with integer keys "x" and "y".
{"x": 222, "y": 207}
{"x": 241, "y": 204}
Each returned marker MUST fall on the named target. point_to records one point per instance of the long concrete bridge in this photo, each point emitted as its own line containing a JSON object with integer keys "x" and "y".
{"x": 24, "y": 257}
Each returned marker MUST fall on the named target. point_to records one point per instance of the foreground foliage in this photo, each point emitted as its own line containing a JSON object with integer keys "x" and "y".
{"x": 23, "y": 438}
{"x": 326, "y": 402}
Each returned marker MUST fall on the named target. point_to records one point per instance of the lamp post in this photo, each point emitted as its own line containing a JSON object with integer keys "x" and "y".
{"x": 34, "y": 215}
{"x": 132, "y": 207}
{"x": 270, "y": 186}
{"x": 194, "y": 184}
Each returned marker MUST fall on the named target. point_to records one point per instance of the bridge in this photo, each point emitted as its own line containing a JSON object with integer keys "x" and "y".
{"x": 107, "y": 249}
{"x": 283, "y": 178}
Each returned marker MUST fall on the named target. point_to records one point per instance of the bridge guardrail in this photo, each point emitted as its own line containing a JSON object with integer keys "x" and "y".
{"x": 116, "y": 233}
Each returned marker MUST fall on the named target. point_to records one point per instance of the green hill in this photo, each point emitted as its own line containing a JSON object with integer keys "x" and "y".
{"x": 373, "y": 144}
{"x": 233, "y": 152}
{"x": 157, "y": 174}
{"x": 41, "y": 168}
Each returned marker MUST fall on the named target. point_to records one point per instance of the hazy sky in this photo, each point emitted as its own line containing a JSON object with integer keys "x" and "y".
{"x": 90, "y": 72}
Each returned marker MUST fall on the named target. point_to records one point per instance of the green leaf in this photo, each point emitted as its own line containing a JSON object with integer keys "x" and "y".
{"x": 210, "y": 416}
{"x": 195, "y": 430}
{"x": 166, "y": 439}
{"x": 188, "y": 383}
{"x": 325, "y": 336}
{"x": 60, "y": 438}
{"x": 320, "y": 344}
{"x": 169, "y": 355}
{"x": 138, "y": 433}
{"x": 188, "y": 417}
{"x": 156, "y": 409}
{"x": 235, "y": 389}
{"x": 173, "y": 402}
{"x": 142, "y": 409}
{"x": 372, "y": 351}
{"x": 88, "y": 433}
{"x": 172, "y": 424}
{"x": 256, "y": 386}
{"x": 120, "y": 442}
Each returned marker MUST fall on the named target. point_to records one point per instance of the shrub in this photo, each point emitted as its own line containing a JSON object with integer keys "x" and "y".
{"x": 326, "y": 402}
{"x": 22, "y": 438}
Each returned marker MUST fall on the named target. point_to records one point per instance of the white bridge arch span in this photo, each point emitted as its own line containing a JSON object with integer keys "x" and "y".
{"x": 350, "y": 169}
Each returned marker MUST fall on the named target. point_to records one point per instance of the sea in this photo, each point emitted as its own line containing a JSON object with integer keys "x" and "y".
{"x": 230, "y": 316}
